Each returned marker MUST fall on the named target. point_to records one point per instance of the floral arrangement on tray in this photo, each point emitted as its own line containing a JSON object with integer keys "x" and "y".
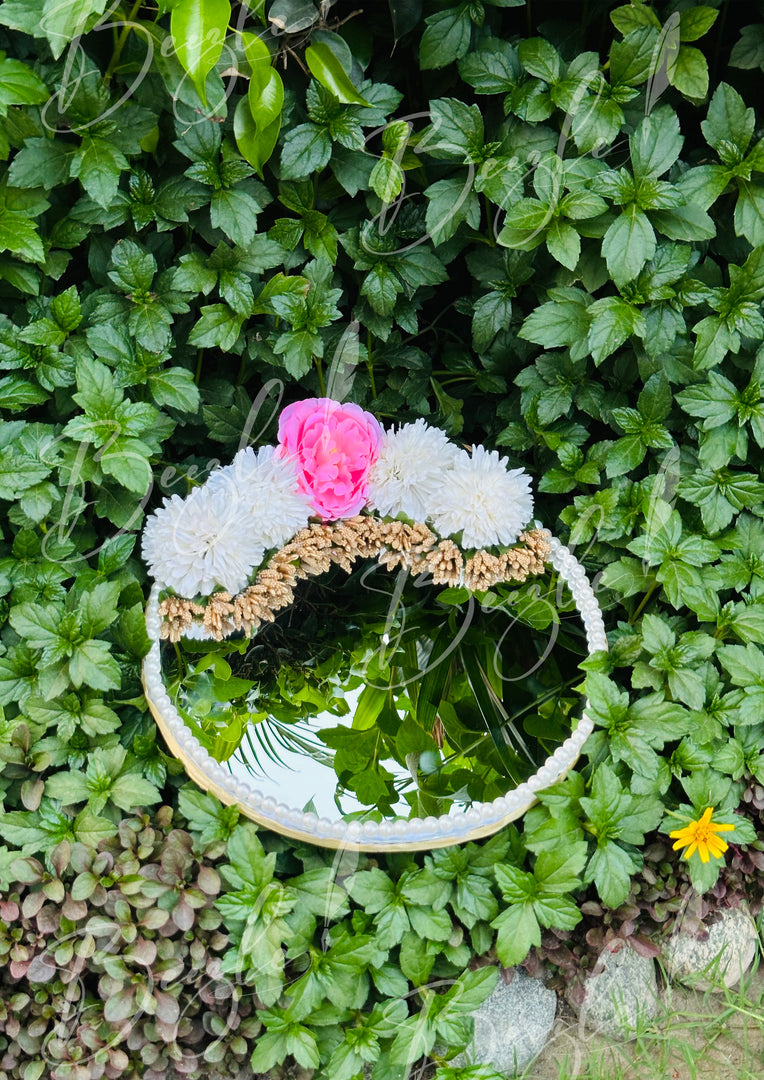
{"x": 336, "y": 488}
{"x": 452, "y": 706}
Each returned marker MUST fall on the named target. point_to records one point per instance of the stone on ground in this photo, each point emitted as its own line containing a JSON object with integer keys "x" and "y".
{"x": 512, "y": 1025}
{"x": 621, "y": 993}
{"x": 719, "y": 958}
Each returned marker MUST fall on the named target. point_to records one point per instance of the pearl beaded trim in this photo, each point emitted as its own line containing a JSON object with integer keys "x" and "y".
{"x": 417, "y": 833}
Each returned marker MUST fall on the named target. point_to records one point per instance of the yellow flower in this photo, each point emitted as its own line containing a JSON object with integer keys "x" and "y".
{"x": 700, "y": 835}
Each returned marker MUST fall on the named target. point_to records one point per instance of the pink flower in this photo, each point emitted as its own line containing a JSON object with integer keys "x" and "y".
{"x": 333, "y": 447}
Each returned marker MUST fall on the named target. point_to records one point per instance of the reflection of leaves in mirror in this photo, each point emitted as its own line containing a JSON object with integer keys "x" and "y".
{"x": 458, "y": 698}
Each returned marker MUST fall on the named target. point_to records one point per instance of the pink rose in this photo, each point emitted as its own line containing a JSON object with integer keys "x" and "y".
{"x": 333, "y": 447}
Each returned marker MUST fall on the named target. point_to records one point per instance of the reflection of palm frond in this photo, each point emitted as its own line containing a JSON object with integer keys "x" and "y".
{"x": 272, "y": 735}
{"x": 506, "y": 739}
{"x": 532, "y": 706}
{"x": 509, "y": 730}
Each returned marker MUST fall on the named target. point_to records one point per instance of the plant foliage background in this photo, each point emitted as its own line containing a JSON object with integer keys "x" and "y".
{"x": 547, "y": 223}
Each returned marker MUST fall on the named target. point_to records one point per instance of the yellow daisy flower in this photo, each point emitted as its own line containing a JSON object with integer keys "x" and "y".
{"x": 701, "y": 836}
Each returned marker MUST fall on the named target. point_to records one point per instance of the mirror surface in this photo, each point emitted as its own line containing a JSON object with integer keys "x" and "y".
{"x": 377, "y": 694}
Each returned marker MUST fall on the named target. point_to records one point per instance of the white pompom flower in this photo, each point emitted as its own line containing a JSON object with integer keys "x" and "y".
{"x": 271, "y": 507}
{"x": 409, "y": 474}
{"x": 486, "y": 502}
{"x": 198, "y": 544}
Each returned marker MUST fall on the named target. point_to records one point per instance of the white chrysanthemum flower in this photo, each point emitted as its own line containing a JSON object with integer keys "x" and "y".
{"x": 270, "y": 505}
{"x": 409, "y": 473}
{"x": 489, "y": 504}
{"x": 200, "y": 543}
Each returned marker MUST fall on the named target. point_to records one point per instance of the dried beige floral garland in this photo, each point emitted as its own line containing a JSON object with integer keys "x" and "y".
{"x": 316, "y": 548}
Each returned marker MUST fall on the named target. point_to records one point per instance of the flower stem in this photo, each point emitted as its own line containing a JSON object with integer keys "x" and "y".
{"x": 370, "y": 364}
{"x": 643, "y": 602}
{"x": 124, "y": 34}
{"x": 320, "y": 373}
{"x": 489, "y": 222}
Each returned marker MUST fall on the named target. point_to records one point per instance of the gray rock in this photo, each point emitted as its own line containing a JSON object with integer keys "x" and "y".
{"x": 724, "y": 952}
{"x": 512, "y": 1025}
{"x": 621, "y": 993}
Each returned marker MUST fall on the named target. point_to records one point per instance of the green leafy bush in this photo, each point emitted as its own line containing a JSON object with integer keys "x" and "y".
{"x": 543, "y": 235}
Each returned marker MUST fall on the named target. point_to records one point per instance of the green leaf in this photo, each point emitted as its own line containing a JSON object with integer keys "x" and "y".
{"x": 98, "y": 164}
{"x": 127, "y": 461}
{"x": 19, "y": 85}
{"x": 559, "y": 872}
{"x": 326, "y": 67}
{"x": 198, "y": 29}
{"x": 134, "y": 268}
{"x": 307, "y": 149}
{"x": 446, "y": 37}
{"x": 501, "y": 730}
{"x": 130, "y": 790}
{"x": 415, "y": 959}
{"x": 381, "y": 286}
{"x": 656, "y": 143}
{"x": 457, "y": 128}
{"x": 218, "y": 327}
{"x": 613, "y": 320}
{"x": 18, "y": 233}
{"x": 93, "y": 665}
{"x": 632, "y": 61}
{"x": 633, "y": 17}
{"x": 258, "y": 121}
{"x": 386, "y": 179}
{"x": 563, "y": 244}
{"x": 611, "y": 868}
{"x": 541, "y": 59}
{"x": 728, "y": 120}
{"x": 41, "y": 161}
{"x": 255, "y": 143}
{"x": 449, "y": 203}
{"x": 24, "y": 15}
{"x": 748, "y": 51}
{"x": 67, "y": 787}
{"x": 689, "y": 72}
{"x": 62, "y": 23}
{"x": 492, "y": 67}
{"x": 562, "y": 321}
{"x": 298, "y": 347}
{"x": 266, "y": 94}
{"x": 98, "y": 607}
{"x": 491, "y": 313}
{"x": 749, "y": 212}
{"x": 235, "y": 212}
{"x": 175, "y": 387}
{"x": 405, "y": 15}
{"x": 37, "y": 623}
{"x": 415, "y": 1038}
{"x": 518, "y": 929}
{"x": 744, "y": 664}
{"x": 694, "y": 22}
{"x": 66, "y": 311}
{"x": 628, "y": 244}
{"x": 206, "y": 815}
